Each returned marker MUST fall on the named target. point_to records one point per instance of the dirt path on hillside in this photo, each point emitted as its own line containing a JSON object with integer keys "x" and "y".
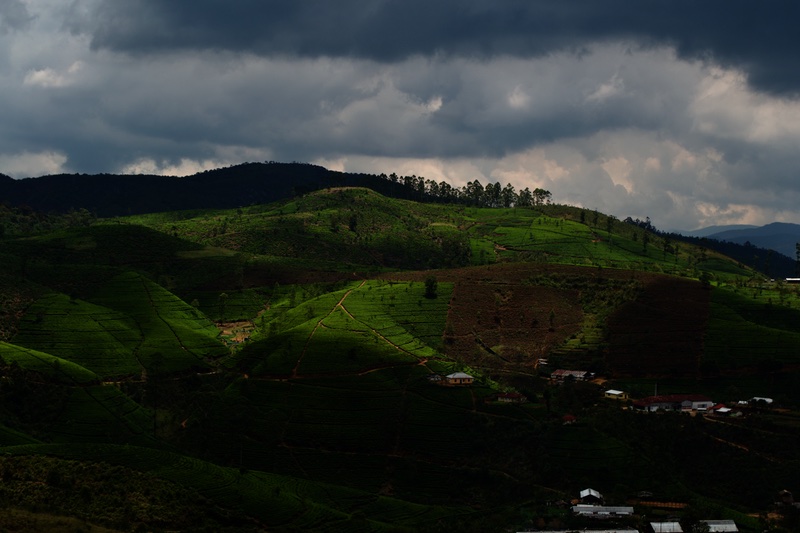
{"x": 380, "y": 336}
{"x": 319, "y": 324}
{"x": 295, "y": 373}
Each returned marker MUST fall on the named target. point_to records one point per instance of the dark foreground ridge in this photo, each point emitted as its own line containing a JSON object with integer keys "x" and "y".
{"x": 118, "y": 195}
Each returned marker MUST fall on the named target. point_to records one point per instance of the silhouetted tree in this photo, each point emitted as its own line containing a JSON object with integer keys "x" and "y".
{"x": 431, "y": 287}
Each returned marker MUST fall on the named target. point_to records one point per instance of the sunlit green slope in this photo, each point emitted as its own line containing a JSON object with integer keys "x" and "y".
{"x": 362, "y": 229}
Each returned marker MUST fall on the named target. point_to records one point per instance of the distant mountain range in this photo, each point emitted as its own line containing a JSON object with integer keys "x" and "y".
{"x": 779, "y": 236}
{"x": 711, "y": 230}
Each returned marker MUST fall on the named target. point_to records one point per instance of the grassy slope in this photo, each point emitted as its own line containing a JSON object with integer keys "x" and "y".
{"x": 175, "y": 336}
{"x": 58, "y": 369}
{"x": 332, "y": 385}
{"x": 90, "y": 335}
{"x": 360, "y": 228}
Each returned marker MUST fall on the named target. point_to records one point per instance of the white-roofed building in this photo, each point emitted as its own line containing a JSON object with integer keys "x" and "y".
{"x": 459, "y": 378}
{"x": 591, "y": 496}
{"x": 756, "y": 400}
{"x": 615, "y": 394}
{"x": 721, "y": 526}
{"x": 601, "y": 511}
{"x": 578, "y": 375}
{"x": 666, "y": 527}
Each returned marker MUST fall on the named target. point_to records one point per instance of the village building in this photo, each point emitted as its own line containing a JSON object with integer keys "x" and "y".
{"x": 674, "y": 402}
{"x": 459, "y": 378}
{"x": 616, "y": 394}
{"x": 785, "y": 497}
{"x": 666, "y": 527}
{"x": 627, "y": 530}
{"x": 721, "y": 526}
{"x": 591, "y": 496}
{"x": 578, "y": 375}
{"x": 760, "y": 400}
{"x": 723, "y": 410}
{"x": 436, "y": 378}
{"x": 601, "y": 511}
{"x": 511, "y": 397}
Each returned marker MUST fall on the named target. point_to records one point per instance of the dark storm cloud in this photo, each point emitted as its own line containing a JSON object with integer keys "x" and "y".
{"x": 757, "y": 38}
{"x": 13, "y": 15}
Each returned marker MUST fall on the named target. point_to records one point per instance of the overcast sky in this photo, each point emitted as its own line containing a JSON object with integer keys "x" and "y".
{"x": 685, "y": 111}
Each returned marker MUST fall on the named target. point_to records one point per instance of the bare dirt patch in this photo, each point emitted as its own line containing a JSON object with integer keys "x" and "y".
{"x": 238, "y": 331}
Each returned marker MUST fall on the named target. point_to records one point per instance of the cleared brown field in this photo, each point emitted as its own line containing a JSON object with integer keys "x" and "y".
{"x": 500, "y": 316}
{"x": 510, "y": 323}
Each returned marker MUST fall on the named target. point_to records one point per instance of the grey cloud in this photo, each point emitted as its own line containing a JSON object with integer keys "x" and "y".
{"x": 247, "y": 85}
{"x": 760, "y": 39}
{"x": 13, "y": 15}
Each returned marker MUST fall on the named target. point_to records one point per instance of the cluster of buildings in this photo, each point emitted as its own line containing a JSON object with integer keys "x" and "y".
{"x": 591, "y": 506}
{"x": 714, "y": 526}
{"x": 674, "y": 402}
{"x": 694, "y": 402}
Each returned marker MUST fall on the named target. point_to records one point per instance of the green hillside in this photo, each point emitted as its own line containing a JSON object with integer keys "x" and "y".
{"x": 279, "y": 367}
{"x": 358, "y": 228}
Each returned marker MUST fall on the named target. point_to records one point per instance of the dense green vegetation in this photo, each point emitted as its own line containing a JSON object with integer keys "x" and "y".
{"x": 275, "y": 367}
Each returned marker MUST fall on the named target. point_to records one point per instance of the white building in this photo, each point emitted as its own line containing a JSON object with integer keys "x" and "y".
{"x": 721, "y": 526}
{"x": 666, "y": 527}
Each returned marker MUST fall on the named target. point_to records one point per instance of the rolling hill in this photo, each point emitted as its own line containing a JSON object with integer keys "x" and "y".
{"x": 276, "y": 367}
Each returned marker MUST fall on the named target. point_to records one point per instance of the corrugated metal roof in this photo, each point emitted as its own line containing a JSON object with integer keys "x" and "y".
{"x": 666, "y": 527}
{"x": 591, "y": 492}
{"x": 587, "y": 530}
{"x": 721, "y": 526}
{"x": 601, "y": 510}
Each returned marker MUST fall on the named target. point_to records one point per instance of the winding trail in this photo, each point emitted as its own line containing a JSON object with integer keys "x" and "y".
{"x": 340, "y": 305}
{"x": 319, "y": 324}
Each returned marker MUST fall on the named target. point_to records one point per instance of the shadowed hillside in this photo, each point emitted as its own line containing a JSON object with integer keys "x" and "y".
{"x": 285, "y": 366}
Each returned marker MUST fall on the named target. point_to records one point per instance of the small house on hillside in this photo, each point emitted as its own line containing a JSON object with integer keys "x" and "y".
{"x": 591, "y": 496}
{"x": 785, "y": 497}
{"x": 459, "y": 378}
{"x": 561, "y": 375}
{"x": 723, "y": 410}
{"x": 616, "y": 394}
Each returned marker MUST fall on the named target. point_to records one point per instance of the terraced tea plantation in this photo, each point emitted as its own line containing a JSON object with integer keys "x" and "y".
{"x": 343, "y": 361}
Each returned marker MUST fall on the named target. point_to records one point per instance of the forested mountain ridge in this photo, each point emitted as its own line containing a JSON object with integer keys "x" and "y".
{"x": 84, "y": 196}
{"x": 235, "y": 186}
